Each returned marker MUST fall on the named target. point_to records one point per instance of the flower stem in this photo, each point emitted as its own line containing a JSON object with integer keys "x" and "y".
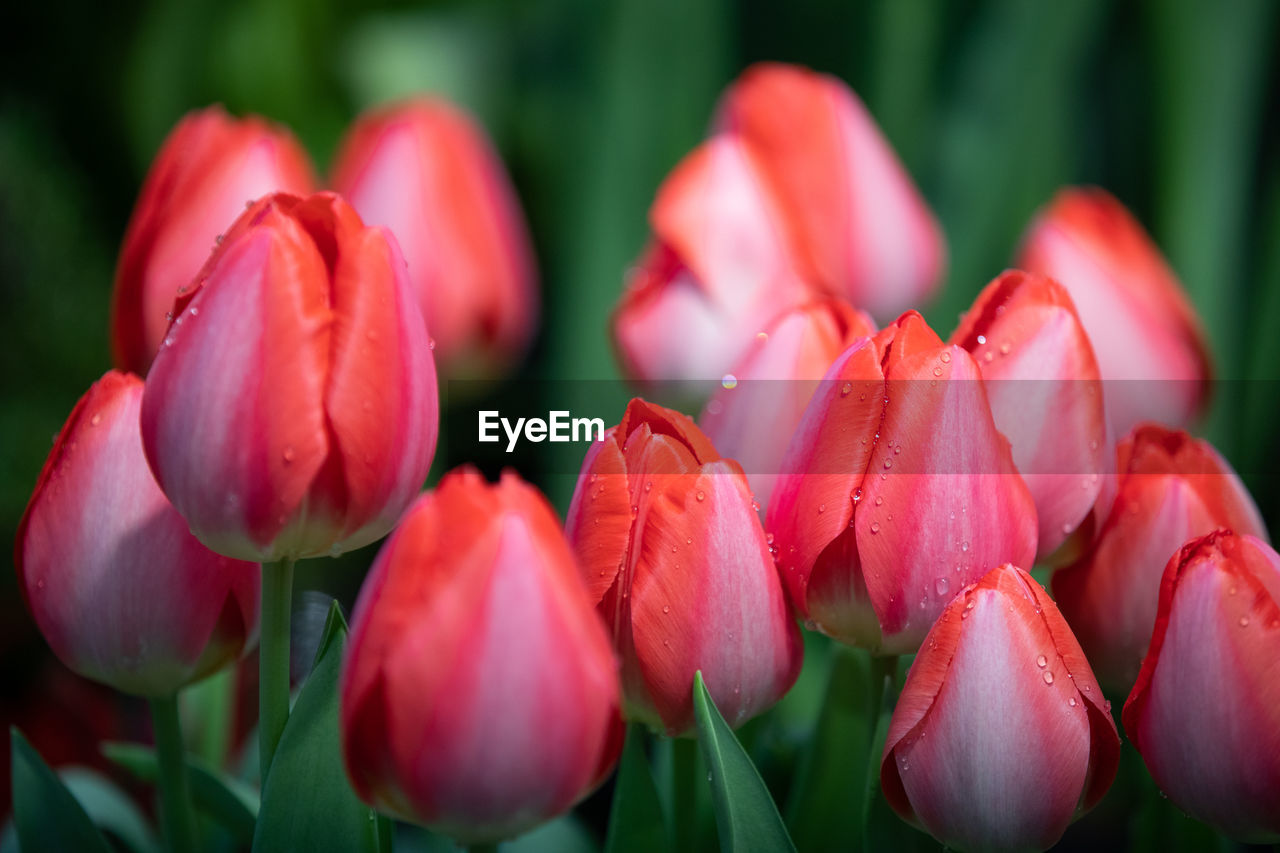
{"x": 273, "y": 659}
{"x": 684, "y": 792}
{"x": 175, "y": 792}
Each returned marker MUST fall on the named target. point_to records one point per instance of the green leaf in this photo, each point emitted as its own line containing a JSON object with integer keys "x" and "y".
{"x": 746, "y": 816}
{"x": 307, "y": 803}
{"x": 229, "y": 802}
{"x": 636, "y": 820}
{"x": 109, "y": 808}
{"x": 47, "y": 815}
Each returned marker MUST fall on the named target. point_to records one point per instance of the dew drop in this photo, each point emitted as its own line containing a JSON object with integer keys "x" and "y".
{"x": 1072, "y": 701}
{"x": 879, "y": 500}
{"x": 762, "y": 336}
{"x": 288, "y": 454}
{"x": 937, "y": 371}
{"x": 1042, "y": 661}
{"x": 96, "y": 419}
{"x": 648, "y": 487}
{"x": 822, "y": 507}
{"x": 431, "y": 344}
{"x": 940, "y": 586}
{"x": 729, "y": 381}
{"x": 1048, "y": 678}
{"x": 964, "y": 546}
{"x": 982, "y": 339}
{"x": 845, "y": 389}
{"x": 768, "y": 538}
{"x": 875, "y": 527}
{"x": 1244, "y": 621}
{"x": 689, "y": 541}
{"x": 988, "y": 356}
{"x": 946, "y": 356}
{"x": 888, "y": 463}
{"x": 1231, "y": 591}
{"x": 1005, "y": 347}
{"x": 666, "y": 608}
{"x": 701, "y": 495}
{"x": 857, "y": 494}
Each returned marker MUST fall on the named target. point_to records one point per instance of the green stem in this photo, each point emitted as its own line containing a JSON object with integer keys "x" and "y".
{"x": 175, "y": 791}
{"x": 684, "y": 793}
{"x": 881, "y": 687}
{"x": 483, "y": 848}
{"x": 273, "y": 659}
{"x": 884, "y": 669}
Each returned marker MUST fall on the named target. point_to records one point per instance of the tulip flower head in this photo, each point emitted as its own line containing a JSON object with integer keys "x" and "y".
{"x": 1205, "y": 712}
{"x": 292, "y": 409}
{"x": 119, "y": 587}
{"x": 676, "y": 562}
{"x": 208, "y": 168}
{"x": 479, "y": 693}
{"x": 1170, "y": 488}
{"x": 897, "y": 491}
{"x": 425, "y": 170}
{"x": 1001, "y": 736}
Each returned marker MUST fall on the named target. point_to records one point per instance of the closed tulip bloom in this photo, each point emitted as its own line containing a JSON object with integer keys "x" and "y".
{"x": 752, "y": 416}
{"x": 1205, "y": 712}
{"x": 719, "y": 270}
{"x": 1001, "y": 736}
{"x": 1170, "y": 488}
{"x": 676, "y": 562}
{"x": 1046, "y": 395}
{"x": 479, "y": 694}
{"x": 119, "y": 587}
{"x": 861, "y": 228}
{"x": 897, "y": 491}
{"x": 292, "y": 409}
{"x": 208, "y": 168}
{"x": 425, "y": 170}
{"x": 1142, "y": 325}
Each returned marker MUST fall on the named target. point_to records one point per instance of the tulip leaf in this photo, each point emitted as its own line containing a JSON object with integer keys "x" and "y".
{"x": 746, "y": 816}
{"x": 229, "y": 802}
{"x": 307, "y": 803}
{"x": 110, "y": 809}
{"x": 636, "y": 821}
{"x": 45, "y": 813}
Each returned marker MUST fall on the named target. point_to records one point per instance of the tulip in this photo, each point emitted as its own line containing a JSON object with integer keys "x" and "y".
{"x": 424, "y": 169}
{"x": 206, "y": 171}
{"x": 1139, "y": 319}
{"x": 1046, "y": 395}
{"x": 1170, "y": 488}
{"x": 479, "y": 695}
{"x": 1205, "y": 712}
{"x": 1001, "y": 736}
{"x": 678, "y": 566}
{"x": 719, "y": 270}
{"x": 751, "y": 418}
{"x": 897, "y": 491}
{"x": 862, "y": 230}
{"x": 119, "y": 587}
{"x": 292, "y": 409}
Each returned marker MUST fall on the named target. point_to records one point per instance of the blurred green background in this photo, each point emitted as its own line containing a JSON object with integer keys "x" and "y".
{"x": 1169, "y": 104}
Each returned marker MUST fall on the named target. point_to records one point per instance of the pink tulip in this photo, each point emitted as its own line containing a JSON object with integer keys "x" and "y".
{"x": 1142, "y": 326}
{"x": 479, "y": 693}
{"x": 210, "y": 166}
{"x": 292, "y": 409}
{"x": 123, "y": 593}
{"x": 751, "y": 418}
{"x": 1001, "y": 736}
{"x": 1205, "y": 712}
{"x": 897, "y": 491}
{"x": 1170, "y": 488}
{"x": 676, "y": 562}
{"x": 1046, "y": 395}
{"x": 861, "y": 228}
{"x": 425, "y": 170}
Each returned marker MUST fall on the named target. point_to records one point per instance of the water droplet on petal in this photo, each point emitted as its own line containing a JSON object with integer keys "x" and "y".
{"x": 845, "y": 389}
{"x": 1042, "y": 661}
{"x": 768, "y": 538}
{"x": 96, "y": 419}
{"x": 1244, "y": 621}
{"x": 729, "y": 381}
{"x": 701, "y": 495}
{"x": 1072, "y": 701}
{"x": 940, "y": 586}
{"x": 822, "y": 507}
{"x": 982, "y": 339}
{"x": 879, "y": 500}
{"x": 875, "y": 527}
{"x": 1005, "y": 347}
{"x": 288, "y": 454}
{"x": 1048, "y": 678}
{"x": 937, "y": 371}
{"x": 946, "y": 356}
{"x": 666, "y": 608}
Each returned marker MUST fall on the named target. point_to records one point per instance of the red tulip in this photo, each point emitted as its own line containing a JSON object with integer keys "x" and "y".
{"x": 210, "y": 166}
{"x": 119, "y": 587}
{"x": 1001, "y": 736}
{"x": 479, "y": 693}
{"x": 1170, "y": 488}
{"x": 424, "y": 169}
{"x": 292, "y": 410}
{"x": 861, "y": 228}
{"x": 897, "y": 491}
{"x": 677, "y": 564}
{"x": 1205, "y": 713}
{"x": 1139, "y": 319}
{"x": 719, "y": 270}
{"x": 751, "y": 418}
{"x": 1046, "y": 397}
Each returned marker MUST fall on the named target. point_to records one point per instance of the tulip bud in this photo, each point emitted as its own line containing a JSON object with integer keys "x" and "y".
{"x": 1170, "y": 488}
{"x": 676, "y": 562}
{"x": 425, "y": 170}
{"x": 1001, "y": 736}
{"x": 292, "y": 409}
{"x": 1139, "y": 319}
{"x": 1046, "y": 395}
{"x": 719, "y": 270}
{"x": 860, "y": 226}
{"x": 119, "y": 587}
{"x": 479, "y": 694}
{"x": 897, "y": 491}
{"x": 209, "y": 167}
{"x": 752, "y": 418}
{"x": 1205, "y": 712}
